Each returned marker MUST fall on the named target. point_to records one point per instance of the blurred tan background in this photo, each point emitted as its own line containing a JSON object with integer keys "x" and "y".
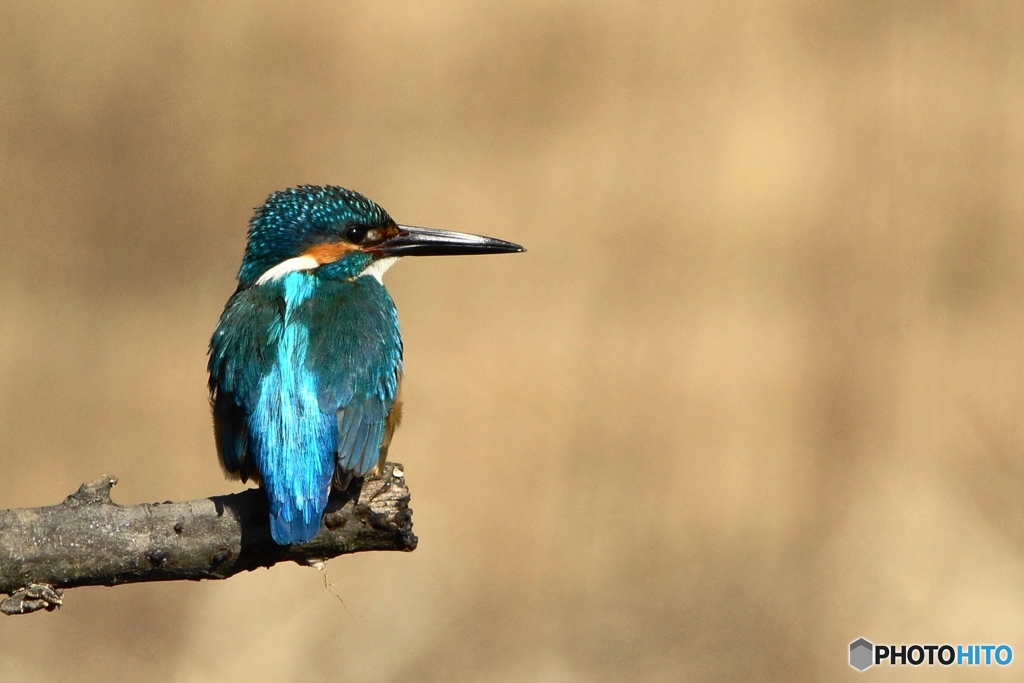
{"x": 754, "y": 391}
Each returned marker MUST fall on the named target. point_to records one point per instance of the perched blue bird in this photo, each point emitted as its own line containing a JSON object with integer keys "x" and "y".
{"x": 306, "y": 360}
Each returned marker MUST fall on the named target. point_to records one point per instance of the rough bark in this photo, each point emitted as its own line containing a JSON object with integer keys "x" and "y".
{"x": 88, "y": 540}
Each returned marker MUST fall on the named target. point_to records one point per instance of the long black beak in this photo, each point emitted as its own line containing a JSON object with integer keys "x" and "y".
{"x": 412, "y": 241}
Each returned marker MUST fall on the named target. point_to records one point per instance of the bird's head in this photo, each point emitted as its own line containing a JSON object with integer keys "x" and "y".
{"x": 341, "y": 234}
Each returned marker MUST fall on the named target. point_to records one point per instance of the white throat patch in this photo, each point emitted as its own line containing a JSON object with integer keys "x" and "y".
{"x": 378, "y": 267}
{"x": 288, "y": 266}
{"x": 375, "y": 269}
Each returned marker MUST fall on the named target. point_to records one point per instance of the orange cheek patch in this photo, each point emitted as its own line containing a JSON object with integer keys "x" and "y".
{"x": 329, "y": 252}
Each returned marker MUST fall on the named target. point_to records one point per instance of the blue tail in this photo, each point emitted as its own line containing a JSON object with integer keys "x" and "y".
{"x": 296, "y": 530}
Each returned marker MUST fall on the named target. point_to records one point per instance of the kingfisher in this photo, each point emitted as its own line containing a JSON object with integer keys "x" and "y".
{"x": 306, "y": 361}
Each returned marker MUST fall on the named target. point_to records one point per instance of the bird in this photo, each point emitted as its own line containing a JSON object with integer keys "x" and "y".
{"x": 305, "y": 363}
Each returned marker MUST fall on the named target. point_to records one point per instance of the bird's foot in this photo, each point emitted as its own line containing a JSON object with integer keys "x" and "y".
{"x": 346, "y": 489}
{"x": 370, "y": 490}
{"x": 32, "y": 598}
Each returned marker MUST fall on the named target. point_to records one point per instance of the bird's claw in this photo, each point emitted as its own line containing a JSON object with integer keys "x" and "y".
{"x": 32, "y": 598}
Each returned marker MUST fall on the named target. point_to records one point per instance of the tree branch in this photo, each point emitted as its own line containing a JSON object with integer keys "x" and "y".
{"x": 88, "y": 540}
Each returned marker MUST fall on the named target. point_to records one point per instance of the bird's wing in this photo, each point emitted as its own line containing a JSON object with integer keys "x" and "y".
{"x": 241, "y": 353}
{"x": 356, "y": 351}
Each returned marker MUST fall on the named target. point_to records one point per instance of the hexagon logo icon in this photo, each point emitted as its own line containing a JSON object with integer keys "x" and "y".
{"x": 861, "y": 654}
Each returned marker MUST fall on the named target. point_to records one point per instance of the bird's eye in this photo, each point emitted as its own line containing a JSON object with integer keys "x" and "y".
{"x": 356, "y": 234}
